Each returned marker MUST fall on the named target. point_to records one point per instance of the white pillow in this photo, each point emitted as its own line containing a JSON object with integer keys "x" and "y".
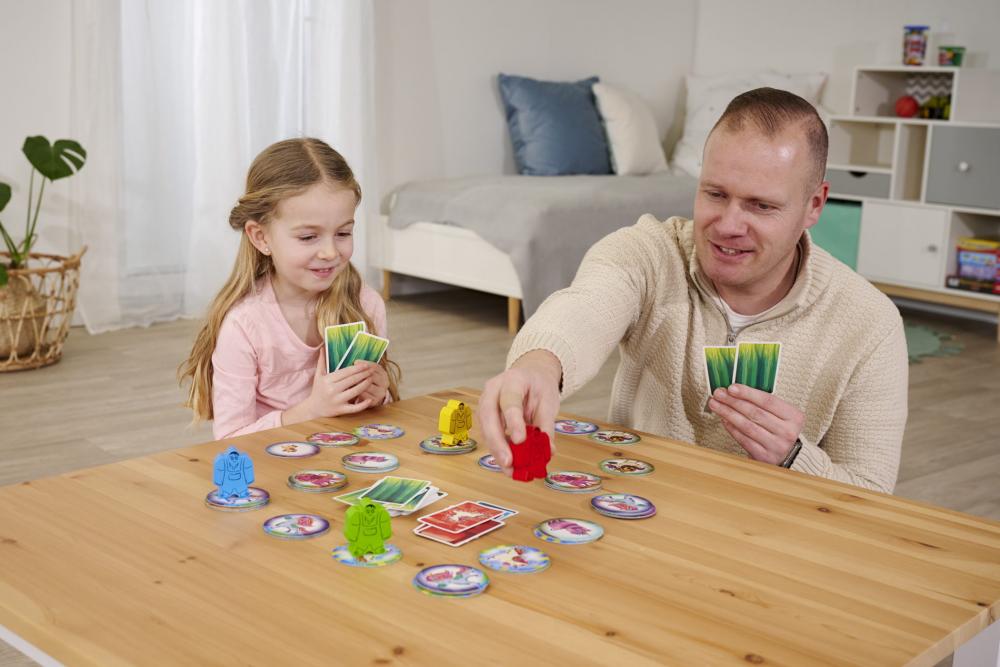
{"x": 708, "y": 97}
{"x": 632, "y": 135}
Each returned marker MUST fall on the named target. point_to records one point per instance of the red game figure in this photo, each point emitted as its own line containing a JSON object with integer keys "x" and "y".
{"x": 531, "y": 456}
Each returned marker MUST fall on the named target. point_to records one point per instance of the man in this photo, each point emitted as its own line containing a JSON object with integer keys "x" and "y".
{"x": 744, "y": 270}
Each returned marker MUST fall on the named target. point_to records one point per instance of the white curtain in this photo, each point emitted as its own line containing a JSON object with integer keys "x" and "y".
{"x": 172, "y": 100}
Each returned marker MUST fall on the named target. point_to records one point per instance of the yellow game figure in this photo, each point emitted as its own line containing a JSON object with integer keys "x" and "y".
{"x": 454, "y": 423}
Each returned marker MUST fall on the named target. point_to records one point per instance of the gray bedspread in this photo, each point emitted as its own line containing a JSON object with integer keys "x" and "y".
{"x": 545, "y": 223}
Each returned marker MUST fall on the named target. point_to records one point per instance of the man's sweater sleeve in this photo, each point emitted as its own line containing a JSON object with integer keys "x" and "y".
{"x": 583, "y": 323}
{"x": 862, "y": 446}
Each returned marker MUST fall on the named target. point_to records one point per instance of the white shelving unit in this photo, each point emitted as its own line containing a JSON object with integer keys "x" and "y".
{"x": 922, "y": 183}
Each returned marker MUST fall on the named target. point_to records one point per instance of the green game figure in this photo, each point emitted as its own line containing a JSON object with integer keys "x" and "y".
{"x": 366, "y": 529}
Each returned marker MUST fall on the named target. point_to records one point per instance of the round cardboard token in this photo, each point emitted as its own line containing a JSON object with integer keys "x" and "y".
{"x": 255, "y": 499}
{"x": 378, "y": 431}
{"x": 515, "y": 558}
{"x": 334, "y": 439}
{"x": 623, "y": 506}
{"x": 574, "y": 427}
{"x": 433, "y": 445}
{"x": 296, "y": 526}
{"x": 573, "y": 481}
{"x": 319, "y": 481}
{"x": 342, "y": 554}
{"x": 633, "y": 467}
{"x": 451, "y": 580}
{"x": 490, "y": 463}
{"x": 292, "y": 450}
{"x": 569, "y": 531}
{"x": 607, "y": 437}
{"x": 370, "y": 461}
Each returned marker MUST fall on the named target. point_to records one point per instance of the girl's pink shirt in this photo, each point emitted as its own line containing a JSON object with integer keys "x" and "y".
{"x": 260, "y": 367}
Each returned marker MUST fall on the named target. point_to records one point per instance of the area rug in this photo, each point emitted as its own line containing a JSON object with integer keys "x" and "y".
{"x": 922, "y": 341}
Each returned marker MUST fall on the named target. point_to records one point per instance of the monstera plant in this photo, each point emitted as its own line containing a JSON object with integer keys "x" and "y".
{"x": 37, "y": 291}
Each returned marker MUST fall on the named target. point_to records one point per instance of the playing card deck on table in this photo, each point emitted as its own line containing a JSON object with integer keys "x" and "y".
{"x": 515, "y": 558}
{"x": 462, "y": 523}
{"x": 423, "y": 499}
{"x": 459, "y": 538}
{"x": 395, "y": 490}
{"x": 334, "y": 439}
{"x": 571, "y": 481}
{"x": 296, "y": 526}
{"x": 454, "y": 581}
{"x": 370, "y": 461}
{"x": 623, "y": 506}
{"x": 255, "y": 499}
{"x": 317, "y": 481}
{"x": 292, "y": 450}
{"x": 568, "y": 531}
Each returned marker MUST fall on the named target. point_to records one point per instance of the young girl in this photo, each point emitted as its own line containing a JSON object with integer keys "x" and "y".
{"x": 258, "y": 362}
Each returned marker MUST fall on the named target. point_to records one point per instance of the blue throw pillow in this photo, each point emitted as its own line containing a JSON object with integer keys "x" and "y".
{"x": 555, "y": 127}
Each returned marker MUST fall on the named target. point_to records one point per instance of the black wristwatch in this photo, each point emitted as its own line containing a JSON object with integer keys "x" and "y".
{"x": 792, "y": 453}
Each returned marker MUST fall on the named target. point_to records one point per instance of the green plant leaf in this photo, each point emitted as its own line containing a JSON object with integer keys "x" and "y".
{"x": 54, "y": 161}
{"x": 3, "y": 275}
{"x": 4, "y": 195}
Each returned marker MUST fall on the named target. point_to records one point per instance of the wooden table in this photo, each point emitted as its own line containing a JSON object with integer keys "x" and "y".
{"x": 744, "y": 564}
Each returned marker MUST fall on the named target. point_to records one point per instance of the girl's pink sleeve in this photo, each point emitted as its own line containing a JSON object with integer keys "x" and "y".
{"x": 234, "y": 384}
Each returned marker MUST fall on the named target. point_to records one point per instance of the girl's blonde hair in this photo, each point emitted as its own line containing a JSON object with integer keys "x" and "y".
{"x": 285, "y": 169}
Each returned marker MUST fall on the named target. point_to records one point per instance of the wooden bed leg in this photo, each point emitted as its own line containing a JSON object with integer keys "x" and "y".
{"x": 386, "y": 284}
{"x": 513, "y": 314}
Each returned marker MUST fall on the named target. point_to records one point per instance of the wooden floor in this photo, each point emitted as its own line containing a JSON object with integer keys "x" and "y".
{"x": 115, "y": 396}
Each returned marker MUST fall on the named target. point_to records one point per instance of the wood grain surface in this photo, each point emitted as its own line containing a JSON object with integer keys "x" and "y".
{"x": 744, "y": 563}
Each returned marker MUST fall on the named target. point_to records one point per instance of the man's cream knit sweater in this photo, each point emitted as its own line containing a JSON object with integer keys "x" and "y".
{"x": 843, "y": 353}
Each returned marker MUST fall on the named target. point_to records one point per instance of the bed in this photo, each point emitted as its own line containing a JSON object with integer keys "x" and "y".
{"x": 521, "y": 237}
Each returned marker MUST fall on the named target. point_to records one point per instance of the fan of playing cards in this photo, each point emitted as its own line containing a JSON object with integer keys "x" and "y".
{"x": 347, "y": 343}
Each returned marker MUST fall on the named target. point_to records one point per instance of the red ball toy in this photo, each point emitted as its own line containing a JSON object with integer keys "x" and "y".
{"x": 907, "y": 107}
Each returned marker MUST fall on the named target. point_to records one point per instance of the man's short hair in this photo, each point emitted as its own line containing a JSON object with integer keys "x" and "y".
{"x": 772, "y": 111}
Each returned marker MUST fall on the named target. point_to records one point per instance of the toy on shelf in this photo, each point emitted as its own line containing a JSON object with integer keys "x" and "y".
{"x": 907, "y": 106}
{"x": 914, "y": 44}
{"x": 454, "y": 422}
{"x": 531, "y": 456}
{"x": 233, "y": 473}
{"x": 367, "y": 528}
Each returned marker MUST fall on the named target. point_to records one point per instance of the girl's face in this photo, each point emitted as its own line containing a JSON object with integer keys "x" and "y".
{"x": 310, "y": 238}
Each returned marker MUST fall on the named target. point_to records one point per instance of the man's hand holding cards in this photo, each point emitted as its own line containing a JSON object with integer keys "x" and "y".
{"x": 765, "y": 426}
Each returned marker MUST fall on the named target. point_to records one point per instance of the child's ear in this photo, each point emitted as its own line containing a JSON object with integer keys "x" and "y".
{"x": 255, "y": 232}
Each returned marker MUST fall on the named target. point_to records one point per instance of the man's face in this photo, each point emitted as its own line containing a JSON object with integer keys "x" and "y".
{"x": 755, "y": 197}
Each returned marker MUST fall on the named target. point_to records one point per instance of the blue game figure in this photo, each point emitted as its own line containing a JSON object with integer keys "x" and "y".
{"x": 233, "y": 472}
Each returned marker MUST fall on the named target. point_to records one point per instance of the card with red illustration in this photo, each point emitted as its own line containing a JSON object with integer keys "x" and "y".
{"x": 457, "y": 539}
{"x": 460, "y": 517}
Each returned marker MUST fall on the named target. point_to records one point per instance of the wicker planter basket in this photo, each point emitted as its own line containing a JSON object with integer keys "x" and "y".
{"x": 36, "y": 307}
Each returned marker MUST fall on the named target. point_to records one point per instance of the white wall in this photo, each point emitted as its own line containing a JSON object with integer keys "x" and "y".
{"x": 438, "y": 111}
{"x": 35, "y": 76}
{"x": 835, "y": 37}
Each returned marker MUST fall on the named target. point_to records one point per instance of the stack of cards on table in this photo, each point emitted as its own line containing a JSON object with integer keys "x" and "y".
{"x": 347, "y": 343}
{"x": 751, "y": 364}
{"x": 462, "y": 523}
{"x": 400, "y": 496}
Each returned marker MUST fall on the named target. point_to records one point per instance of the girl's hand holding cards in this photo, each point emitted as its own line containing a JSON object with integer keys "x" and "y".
{"x": 379, "y": 382}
